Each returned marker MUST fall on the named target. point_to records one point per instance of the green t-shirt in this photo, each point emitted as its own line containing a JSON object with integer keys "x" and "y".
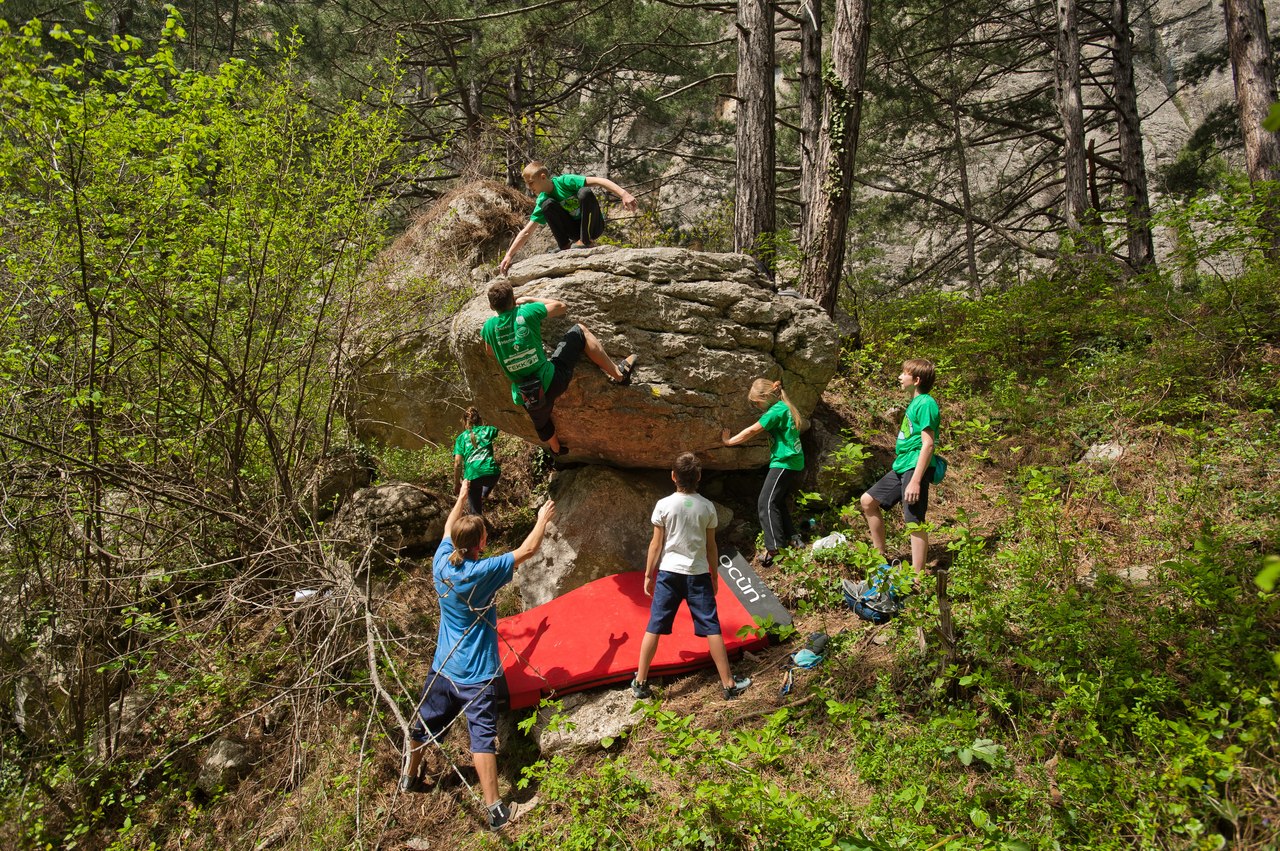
{"x": 516, "y": 340}
{"x": 784, "y": 438}
{"x": 921, "y": 414}
{"x": 475, "y": 445}
{"x": 564, "y": 189}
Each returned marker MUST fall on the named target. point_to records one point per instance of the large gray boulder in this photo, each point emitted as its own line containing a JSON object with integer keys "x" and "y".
{"x": 704, "y": 326}
{"x": 601, "y": 528}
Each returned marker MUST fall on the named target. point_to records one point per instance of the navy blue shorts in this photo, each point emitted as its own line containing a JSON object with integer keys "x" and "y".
{"x": 889, "y": 492}
{"x": 670, "y": 589}
{"x": 443, "y": 699}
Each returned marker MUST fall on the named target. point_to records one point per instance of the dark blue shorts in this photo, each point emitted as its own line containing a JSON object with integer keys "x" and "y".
{"x": 443, "y": 699}
{"x": 670, "y": 589}
{"x": 890, "y": 489}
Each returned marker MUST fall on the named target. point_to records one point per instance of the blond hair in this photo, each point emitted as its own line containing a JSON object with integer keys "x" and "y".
{"x": 467, "y": 533}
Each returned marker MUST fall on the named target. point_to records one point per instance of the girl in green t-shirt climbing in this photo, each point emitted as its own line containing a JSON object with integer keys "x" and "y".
{"x": 473, "y": 460}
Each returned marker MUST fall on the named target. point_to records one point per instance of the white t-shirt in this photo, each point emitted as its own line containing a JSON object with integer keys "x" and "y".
{"x": 686, "y": 517}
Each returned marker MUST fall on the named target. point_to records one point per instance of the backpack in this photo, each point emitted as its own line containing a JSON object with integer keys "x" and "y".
{"x": 939, "y": 469}
{"x": 873, "y": 599}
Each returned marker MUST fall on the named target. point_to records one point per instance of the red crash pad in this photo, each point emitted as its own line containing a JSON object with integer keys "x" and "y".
{"x": 591, "y": 636}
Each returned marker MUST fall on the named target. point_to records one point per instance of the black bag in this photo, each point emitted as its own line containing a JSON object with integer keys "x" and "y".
{"x": 531, "y": 395}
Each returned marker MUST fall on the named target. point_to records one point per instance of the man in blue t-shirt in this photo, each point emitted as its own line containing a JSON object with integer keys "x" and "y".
{"x": 567, "y": 205}
{"x": 466, "y": 672}
{"x": 908, "y": 481}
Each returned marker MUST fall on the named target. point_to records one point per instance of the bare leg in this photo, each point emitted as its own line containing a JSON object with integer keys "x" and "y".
{"x": 721, "y": 657}
{"x": 599, "y": 356}
{"x": 487, "y": 769}
{"x": 875, "y": 522}
{"x": 413, "y": 758}
{"x": 919, "y": 551}
{"x": 648, "y": 647}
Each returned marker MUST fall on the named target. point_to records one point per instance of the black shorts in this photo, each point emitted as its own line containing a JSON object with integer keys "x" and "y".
{"x": 564, "y": 359}
{"x": 889, "y": 492}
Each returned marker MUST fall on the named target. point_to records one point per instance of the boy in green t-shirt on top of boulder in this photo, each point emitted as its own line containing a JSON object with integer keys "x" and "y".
{"x": 908, "y": 481}
{"x": 567, "y": 205}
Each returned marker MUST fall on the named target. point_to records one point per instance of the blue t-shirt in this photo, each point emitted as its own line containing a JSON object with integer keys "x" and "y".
{"x": 467, "y": 645}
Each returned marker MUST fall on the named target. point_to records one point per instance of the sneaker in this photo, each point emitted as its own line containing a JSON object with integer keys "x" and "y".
{"x": 410, "y": 783}
{"x": 641, "y": 689}
{"x": 740, "y": 685}
{"x": 499, "y": 814}
{"x": 564, "y": 450}
{"x": 766, "y": 560}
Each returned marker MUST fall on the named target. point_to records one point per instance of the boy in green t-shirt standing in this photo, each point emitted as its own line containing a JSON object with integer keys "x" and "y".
{"x": 908, "y": 481}
{"x": 567, "y": 205}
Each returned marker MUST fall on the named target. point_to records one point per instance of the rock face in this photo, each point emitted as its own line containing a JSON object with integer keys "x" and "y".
{"x": 704, "y": 326}
{"x": 601, "y": 528}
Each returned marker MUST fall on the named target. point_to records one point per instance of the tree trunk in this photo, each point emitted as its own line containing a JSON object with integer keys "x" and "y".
{"x": 810, "y": 105}
{"x": 753, "y": 212}
{"x": 1071, "y": 113}
{"x": 1250, "y": 52}
{"x": 831, "y": 191}
{"x": 966, "y": 199}
{"x": 1133, "y": 167}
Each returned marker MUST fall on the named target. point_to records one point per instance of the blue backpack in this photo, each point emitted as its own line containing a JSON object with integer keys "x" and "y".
{"x": 873, "y": 599}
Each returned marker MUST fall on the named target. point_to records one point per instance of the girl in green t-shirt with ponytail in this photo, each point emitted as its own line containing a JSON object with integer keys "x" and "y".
{"x": 473, "y": 460}
{"x": 783, "y": 423}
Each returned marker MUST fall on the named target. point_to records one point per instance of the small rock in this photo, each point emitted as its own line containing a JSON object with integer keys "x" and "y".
{"x": 417, "y": 843}
{"x": 225, "y": 763}
{"x": 588, "y": 718}
{"x": 1104, "y": 453}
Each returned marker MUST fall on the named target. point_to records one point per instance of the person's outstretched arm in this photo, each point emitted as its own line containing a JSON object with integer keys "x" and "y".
{"x": 628, "y": 200}
{"x": 533, "y": 541}
{"x": 516, "y": 244}
{"x": 458, "y": 505}
{"x": 554, "y": 306}
{"x": 749, "y": 433}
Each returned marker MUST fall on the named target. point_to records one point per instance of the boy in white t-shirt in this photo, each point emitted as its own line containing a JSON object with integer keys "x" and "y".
{"x": 683, "y": 564}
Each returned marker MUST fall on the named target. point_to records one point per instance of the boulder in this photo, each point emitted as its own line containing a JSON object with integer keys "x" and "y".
{"x": 391, "y": 517}
{"x": 601, "y": 528}
{"x": 704, "y": 326}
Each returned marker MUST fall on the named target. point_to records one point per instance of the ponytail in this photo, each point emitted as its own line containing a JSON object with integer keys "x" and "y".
{"x": 467, "y": 533}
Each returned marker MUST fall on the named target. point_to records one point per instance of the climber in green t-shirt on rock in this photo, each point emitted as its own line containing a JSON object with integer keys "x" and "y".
{"x": 567, "y": 205}
{"x": 514, "y": 338}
